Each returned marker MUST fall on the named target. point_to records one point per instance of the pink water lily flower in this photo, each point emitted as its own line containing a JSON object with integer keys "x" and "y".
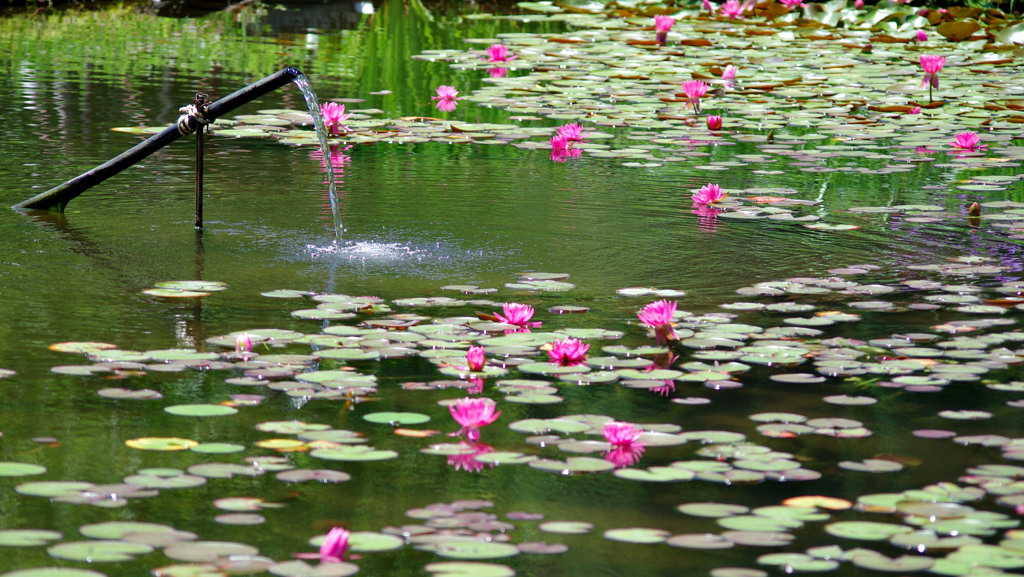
{"x": 729, "y": 72}
{"x": 931, "y": 64}
{"x": 334, "y": 117}
{"x": 734, "y": 9}
{"x": 446, "y": 98}
{"x": 568, "y": 352}
{"x": 619, "y": 433}
{"x": 714, "y": 122}
{"x": 473, "y": 413}
{"x": 333, "y": 548}
{"x": 914, "y": 110}
{"x": 561, "y": 149}
{"x": 921, "y": 36}
{"x": 968, "y": 142}
{"x": 626, "y": 445}
{"x": 572, "y": 132}
{"x": 662, "y": 25}
{"x": 475, "y": 359}
{"x": 243, "y": 343}
{"x": 517, "y": 314}
{"x": 792, "y": 3}
{"x": 499, "y": 53}
{"x": 858, "y": 4}
{"x": 694, "y": 90}
{"x": 708, "y": 194}
{"x": 658, "y": 315}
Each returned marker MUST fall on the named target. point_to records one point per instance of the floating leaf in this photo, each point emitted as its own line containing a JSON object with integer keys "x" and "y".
{"x": 13, "y": 469}
{"x": 637, "y": 535}
{"x": 566, "y": 527}
{"x": 469, "y": 569}
{"x": 455, "y": 548}
{"x": 98, "y": 551}
{"x": 297, "y": 568}
{"x": 395, "y": 419}
{"x": 27, "y": 537}
{"x": 200, "y": 410}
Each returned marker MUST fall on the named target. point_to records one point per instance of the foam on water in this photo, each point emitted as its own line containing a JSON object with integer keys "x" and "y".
{"x": 404, "y": 257}
{"x": 373, "y": 251}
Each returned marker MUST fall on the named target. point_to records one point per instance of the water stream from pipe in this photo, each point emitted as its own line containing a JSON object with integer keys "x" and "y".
{"x": 302, "y": 82}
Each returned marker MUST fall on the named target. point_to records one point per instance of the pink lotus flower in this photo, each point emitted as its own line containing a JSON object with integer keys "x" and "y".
{"x": 334, "y": 117}
{"x": 572, "y": 132}
{"x": 734, "y": 10}
{"x": 714, "y": 122}
{"x": 446, "y": 98}
{"x": 624, "y": 455}
{"x": 931, "y": 64}
{"x": 662, "y": 24}
{"x": 243, "y": 343}
{"x": 709, "y": 194}
{"x": 658, "y": 315}
{"x": 475, "y": 359}
{"x": 792, "y": 3}
{"x": 333, "y": 548}
{"x": 968, "y": 142}
{"x": 618, "y": 433}
{"x": 694, "y": 90}
{"x": 467, "y": 461}
{"x": 517, "y": 314}
{"x": 499, "y": 53}
{"x": 568, "y": 352}
{"x": 473, "y": 413}
{"x": 729, "y": 72}
{"x": 561, "y": 149}
{"x": 914, "y": 110}
{"x": 921, "y": 36}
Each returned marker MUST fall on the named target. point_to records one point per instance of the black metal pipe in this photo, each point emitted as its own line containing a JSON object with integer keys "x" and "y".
{"x": 58, "y": 197}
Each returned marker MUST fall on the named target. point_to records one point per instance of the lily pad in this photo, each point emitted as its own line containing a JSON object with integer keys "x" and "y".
{"x": 201, "y": 410}
{"x": 396, "y": 418}
{"x": 14, "y": 469}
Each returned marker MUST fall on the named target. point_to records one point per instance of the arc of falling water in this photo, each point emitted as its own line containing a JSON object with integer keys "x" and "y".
{"x": 321, "y": 132}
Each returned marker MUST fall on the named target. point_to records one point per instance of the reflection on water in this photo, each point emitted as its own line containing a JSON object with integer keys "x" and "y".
{"x": 420, "y": 217}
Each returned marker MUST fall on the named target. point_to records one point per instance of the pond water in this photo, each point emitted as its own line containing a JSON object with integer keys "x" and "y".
{"x": 883, "y": 373}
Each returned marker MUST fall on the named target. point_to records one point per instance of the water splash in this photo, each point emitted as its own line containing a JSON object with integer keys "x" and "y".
{"x": 302, "y": 82}
{"x": 369, "y": 251}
